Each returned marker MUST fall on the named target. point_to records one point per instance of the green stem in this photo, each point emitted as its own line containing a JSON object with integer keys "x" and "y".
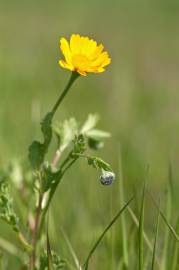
{"x": 40, "y": 216}
{"x": 52, "y": 192}
{"x": 73, "y": 77}
{"x": 35, "y": 233}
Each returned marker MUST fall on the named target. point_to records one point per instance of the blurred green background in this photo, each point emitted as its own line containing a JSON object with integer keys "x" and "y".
{"x": 137, "y": 99}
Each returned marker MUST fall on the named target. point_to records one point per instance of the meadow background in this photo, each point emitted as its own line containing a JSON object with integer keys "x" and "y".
{"x": 137, "y": 99}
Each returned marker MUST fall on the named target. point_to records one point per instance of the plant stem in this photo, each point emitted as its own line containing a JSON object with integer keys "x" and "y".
{"x": 73, "y": 77}
{"x": 35, "y": 233}
{"x": 52, "y": 192}
{"x": 56, "y": 158}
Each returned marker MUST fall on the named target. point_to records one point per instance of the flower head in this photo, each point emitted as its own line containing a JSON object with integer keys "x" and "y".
{"x": 83, "y": 55}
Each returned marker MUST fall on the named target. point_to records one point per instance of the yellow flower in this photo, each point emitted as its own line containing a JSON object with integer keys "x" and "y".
{"x": 83, "y": 55}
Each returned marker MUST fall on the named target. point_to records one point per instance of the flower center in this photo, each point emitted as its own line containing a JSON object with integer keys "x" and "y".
{"x": 80, "y": 61}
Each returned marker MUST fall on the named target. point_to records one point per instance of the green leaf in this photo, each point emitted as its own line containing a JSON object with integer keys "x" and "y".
{"x": 90, "y": 123}
{"x": 97, "y": 134}
{"x": 79, "y": 145}
{"x": 7, "y": 213}
{"x": 50, "y": 177}
{"x": 98, "y": 163}
{"x": 46, "y": 128}
{"x": 65, "y": 132}
{"x": 36, "y": 154}
{"x": 57, "y": 262}
{"x": 94, "y": 136}
{"x": 37, "y": 150}
{"x": 95, "y": 144}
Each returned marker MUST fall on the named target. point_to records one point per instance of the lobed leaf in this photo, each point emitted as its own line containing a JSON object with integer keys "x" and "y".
{"x": 65, "y": 132}
{"x": 56, "y": 262}
{"x": 98, "y": 163}
{"x": 90, "y": 123}
{"x": 37, "y": 150}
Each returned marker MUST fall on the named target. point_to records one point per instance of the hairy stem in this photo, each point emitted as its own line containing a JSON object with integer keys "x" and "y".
{"x": 35, "y": 233}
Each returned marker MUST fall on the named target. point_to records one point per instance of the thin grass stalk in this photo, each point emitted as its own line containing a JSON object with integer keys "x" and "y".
{"x": 123, "y": 217}
{"x": 175, "y": 257}
{"x": 141, "y": 231}
{"x": 49, "y": 252}
{"x": 146, "y": 239}
{"x": 170, "y": 227}
{"x": 155, "y": 241}
{"x": 112, "y": 232}
{"x": 166, "y": 238}
{"x": 71, "y": 249}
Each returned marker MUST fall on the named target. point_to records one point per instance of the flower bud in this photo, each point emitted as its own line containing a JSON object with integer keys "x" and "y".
{"x": 107, "y": 178}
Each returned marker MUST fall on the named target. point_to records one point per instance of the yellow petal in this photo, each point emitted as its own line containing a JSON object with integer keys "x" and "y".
{"x": 102, "y": 60}
{"x": 75, "y": 42}
{"x": 99, "y": 70}
{"x": 64, "y": 46}
{"x": 88, "y": 46}
{"x": 83, "y": 73}
{"x": 97, "y": 52}
{"x": 63, "y": 64}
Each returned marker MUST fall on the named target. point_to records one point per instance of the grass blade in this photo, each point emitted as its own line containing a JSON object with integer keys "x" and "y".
{"x": 168, "y": 217}
{"x": 171, "y": 229}
{"x": 123, "y": 218}
{"x": 136, "y": 221}
{"x": 11, "y": 249}
{"x": 141, "y": 231}
{"x": 120, "y": 265}
{"x": 174, "y": 262}
{"x": 73, "y": 254}
{"x": 104, "y": 232}
{"x": 146, "y": 239}
{"x": 155, "y": 241}
{"x": 49, "y": 253}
